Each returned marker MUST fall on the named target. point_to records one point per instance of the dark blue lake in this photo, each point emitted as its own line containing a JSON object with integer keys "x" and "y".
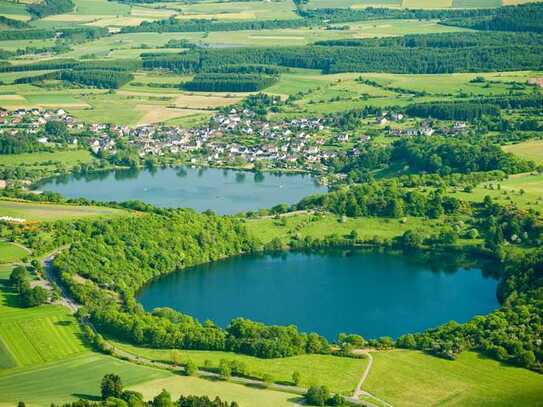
{"x": 369, "y": 293}
{"x": 223, "y": 191}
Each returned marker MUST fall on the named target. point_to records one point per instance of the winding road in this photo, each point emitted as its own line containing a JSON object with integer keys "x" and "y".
{"x": 67, "y": 301}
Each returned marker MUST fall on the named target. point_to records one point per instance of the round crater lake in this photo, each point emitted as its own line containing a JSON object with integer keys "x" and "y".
{"x": 222, "y": 191}
{"x": 369, "y": 293}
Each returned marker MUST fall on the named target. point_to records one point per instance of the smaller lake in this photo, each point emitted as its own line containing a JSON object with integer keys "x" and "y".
{"x": 222, "y": 191}
{"x": 369, "y": 293}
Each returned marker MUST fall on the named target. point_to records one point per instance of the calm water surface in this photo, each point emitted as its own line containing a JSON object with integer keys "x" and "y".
{"x": 223, "y": 191}
{"x": 373, "y": 294}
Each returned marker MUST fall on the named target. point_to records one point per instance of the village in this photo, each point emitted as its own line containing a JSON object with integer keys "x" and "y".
{"x": 233, "y": 138}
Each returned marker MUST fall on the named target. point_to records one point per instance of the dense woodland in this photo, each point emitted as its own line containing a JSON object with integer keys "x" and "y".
{"x": 98, "y": 78}
{"x": 334, "y": 59}
{"x": 50, "y": 7}
{"x": 526, "y": 17}
{"x": 430, "y": 154}
{"x": 122, "y": 255}
{"x": 230, "y": 82}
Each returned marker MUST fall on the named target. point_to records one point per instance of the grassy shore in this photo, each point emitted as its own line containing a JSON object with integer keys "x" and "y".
{"x": 339, "y": 374}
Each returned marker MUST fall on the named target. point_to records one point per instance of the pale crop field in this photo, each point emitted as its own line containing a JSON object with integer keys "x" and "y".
{"x": 530, "y": 150}
{"x": 41, "y": 212}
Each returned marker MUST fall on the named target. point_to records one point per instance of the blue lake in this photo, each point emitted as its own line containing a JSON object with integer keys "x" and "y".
{"x": 369, "y": 293}
{"x": 223, "y": 191}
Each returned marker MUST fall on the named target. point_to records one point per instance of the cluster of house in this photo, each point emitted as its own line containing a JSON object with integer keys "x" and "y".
{"x": 31, "y": 121}
{"x": 283, "y": 144}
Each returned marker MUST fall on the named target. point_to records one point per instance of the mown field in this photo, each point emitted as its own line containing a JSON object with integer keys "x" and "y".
{"x": 31, "y": 336}
{"x": 41, "y": 212}
{"x": 44, "y": 360}
{"x": 339, "y": 374}
{"x": 10, "y": 252}
{"x": 530, "y": 150}
{"x": 409, "y": 378}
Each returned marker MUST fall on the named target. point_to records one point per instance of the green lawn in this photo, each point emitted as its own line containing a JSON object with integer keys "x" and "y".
{"x": 530, "y": 150}
{"x": 267, "y": 229}
{"x": 409, "y": 378}
{"x": 44, "y": 158}
{"x": 32, "y": 211}
{"x": 339, "y": 374}
{"x": 10, "y": 252}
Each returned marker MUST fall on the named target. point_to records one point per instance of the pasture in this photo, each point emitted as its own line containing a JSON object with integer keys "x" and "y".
{"x": 10, "y": 252}
{"x": 42, "y": 212}
{"x": 530, "y": 150}
{"x": 245, "y": 396}
{"x": 410, "y": 378}
{"x": 45, "y": 158}
{"x": 524, "y": 190}
{"x": 302, "y": 225}
{"x": 339, "y": 374}
{"x": 70, "y": 379}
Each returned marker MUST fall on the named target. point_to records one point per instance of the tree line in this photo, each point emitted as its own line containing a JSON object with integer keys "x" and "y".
{"x": 334, "y": 59}
{"x": 122, "y": 255}
{"x": 104, "y": 79}
{"x": 68, "y": 34}
{"x": 50, "y": 7}
{"x": 383, "y": 199}
{"x": 520, "y": 18}
{"x": 230, "y": 82}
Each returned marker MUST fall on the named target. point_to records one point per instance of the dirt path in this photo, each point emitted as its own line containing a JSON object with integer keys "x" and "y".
{"x": 358, "y": 390}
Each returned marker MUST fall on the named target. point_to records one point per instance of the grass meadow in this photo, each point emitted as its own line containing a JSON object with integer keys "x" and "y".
{"x": 339, "y": 374}
{"x": 410, "y": 378}
{"x": 45, "y": 158}
{"x": 530, "y": 150}
{"x": 303, "y": 225}
{"x": 42, "y": 212}
{"x": 10, "y": 252}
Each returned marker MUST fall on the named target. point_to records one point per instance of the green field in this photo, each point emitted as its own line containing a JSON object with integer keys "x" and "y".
{"x": 10, "y": 252}
{"x": 339, "y": 374}
{"x": 266, "y": 229}
{"x": 245, "y": 396}
{"x": 69, "y": 379}
{"x": 67, "y": 158}
{"x": 530, "y": 150}
{"x": 43, "y": 360}
{"x": 32, "y": 336}
{"x": 409, "y": 378}
{"x": 31, "y": 211}
{"x": 525, "y": 190}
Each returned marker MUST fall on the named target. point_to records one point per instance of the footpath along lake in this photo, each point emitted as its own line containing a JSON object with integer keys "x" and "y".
{"x": 223, "y": 191}
{"x": 369, "y": 293}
